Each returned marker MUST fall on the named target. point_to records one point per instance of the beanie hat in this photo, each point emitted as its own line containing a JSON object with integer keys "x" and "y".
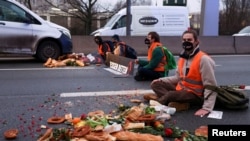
{"x": 98, "y": 39}
{"x": 116, "y": 37}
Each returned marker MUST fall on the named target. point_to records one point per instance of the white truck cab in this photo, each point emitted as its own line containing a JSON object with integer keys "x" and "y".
{"x": 165, "y": 20}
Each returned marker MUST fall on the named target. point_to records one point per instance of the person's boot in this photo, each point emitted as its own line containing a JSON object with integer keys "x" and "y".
{"x": 138, "y": 77}
{"x": 150, "y": 97}
{"x": 163, "y": 100}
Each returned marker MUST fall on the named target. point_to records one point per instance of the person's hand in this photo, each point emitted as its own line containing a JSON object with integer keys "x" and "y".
{"x": 136, "y": 61}
{"x": 201, "y": 112}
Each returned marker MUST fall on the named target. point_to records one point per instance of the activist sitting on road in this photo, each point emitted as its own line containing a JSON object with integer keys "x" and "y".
{"x": 123, "y": 49}
{"x": 195, "y": 70}
{"x": 153, "y": 67}
{"x": 103, "y": 47}
{"x": 118, "y": 45}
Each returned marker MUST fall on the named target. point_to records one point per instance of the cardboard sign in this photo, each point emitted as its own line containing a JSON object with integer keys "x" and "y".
{"x": 120, "y": 64}
{"x": 118, "y": 67}
{"x": 93, "y": 58}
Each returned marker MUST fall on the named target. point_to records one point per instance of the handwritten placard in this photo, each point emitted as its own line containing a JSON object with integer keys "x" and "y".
{"x": 118, "y": 67}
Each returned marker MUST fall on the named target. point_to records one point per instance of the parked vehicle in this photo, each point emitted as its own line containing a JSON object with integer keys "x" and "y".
{"x": 24, "y": 32}
{"x": 166, "y": 20}
{"x": 243, "y": 32}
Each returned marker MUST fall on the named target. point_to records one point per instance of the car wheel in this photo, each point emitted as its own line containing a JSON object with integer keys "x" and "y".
{"x": 48, "y": 49}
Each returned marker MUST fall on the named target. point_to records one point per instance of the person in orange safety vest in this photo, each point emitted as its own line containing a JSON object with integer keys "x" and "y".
{"x": 103, "y": 47}
{"x": 186, "y": 87}
{"x": 154, "y": 66}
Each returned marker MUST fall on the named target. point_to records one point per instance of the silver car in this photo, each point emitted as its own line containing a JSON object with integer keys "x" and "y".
{"x": 24, "y": 32}
{"x": 243, "y": 32}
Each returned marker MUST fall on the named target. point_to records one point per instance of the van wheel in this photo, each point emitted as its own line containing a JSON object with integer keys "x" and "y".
{"x": 48, "y": 49}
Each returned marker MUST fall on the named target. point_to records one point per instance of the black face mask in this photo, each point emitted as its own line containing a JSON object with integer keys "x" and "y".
{"x": 97, "y": 42}
{"x": 147, "y": 41}
{"x": 187, "y": 46}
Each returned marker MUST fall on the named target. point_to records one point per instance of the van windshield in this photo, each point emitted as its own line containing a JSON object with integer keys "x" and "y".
{"x": 112, "y": 20}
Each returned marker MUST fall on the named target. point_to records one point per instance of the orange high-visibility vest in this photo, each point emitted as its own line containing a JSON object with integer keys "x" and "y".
{"x": 100, "y": 49}
{"x": 161, "y": 66}
{"x": 192, "y": 82}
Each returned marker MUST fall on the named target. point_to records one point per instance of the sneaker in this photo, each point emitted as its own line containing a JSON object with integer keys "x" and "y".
{"x": 150, "y": 97}
{"x": 179, "y": 106}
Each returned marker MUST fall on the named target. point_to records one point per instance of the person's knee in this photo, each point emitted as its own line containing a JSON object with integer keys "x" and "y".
{"x": 155, "y": 84}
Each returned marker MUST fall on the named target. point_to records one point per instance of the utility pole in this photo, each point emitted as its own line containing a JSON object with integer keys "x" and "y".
{"x": 209, "y": 18}
{"x": 128, "y": 18}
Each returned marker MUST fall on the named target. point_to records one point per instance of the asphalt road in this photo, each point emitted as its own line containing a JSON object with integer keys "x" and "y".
{"x": 30, "y": 93}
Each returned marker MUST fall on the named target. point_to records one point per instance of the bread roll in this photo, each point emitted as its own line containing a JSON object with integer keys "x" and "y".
{"x": 97, "y": 136}
{"x": 131, "y": 136}
{"x": 134, "y": 113}
{"x": 130, "y": 125}
{"x": 202, "y": 131}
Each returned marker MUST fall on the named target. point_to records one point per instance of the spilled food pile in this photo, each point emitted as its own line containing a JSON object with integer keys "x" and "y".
{"x": 136, "y": 123}
{"x": 75, "y": 59}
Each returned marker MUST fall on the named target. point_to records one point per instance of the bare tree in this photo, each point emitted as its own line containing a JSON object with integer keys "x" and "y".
{"x": 88, "y": 11}
{"x": 83, "y": 10}
{"x": 122, "y": 4}
{"x": 27, "y": 3}
{"x": 235, "y": 15}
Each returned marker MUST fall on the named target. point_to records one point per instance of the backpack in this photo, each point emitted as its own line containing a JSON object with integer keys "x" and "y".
{"x": 110, "y": 45}
{"x": 171, "y": 63}
{"x": 130, "y": 52}
{"x": 229, "y": 97}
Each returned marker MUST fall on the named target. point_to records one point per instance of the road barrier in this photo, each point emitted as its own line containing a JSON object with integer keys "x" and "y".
{"x": 211, "y": 44}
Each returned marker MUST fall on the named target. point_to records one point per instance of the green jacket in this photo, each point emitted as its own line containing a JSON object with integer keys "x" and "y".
{"x": 156, "y": 59}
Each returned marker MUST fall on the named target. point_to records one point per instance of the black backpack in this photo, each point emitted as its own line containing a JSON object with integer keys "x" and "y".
{"x": 130, "y": 52}
{"x": 230, "y": 98}
{"x": 110, "y": 45}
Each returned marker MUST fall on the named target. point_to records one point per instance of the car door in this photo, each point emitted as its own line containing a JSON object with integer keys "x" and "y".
{"x": 15, "y": 30}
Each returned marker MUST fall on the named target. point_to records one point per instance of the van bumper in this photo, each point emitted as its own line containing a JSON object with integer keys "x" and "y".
{"x": 66, "y": 44}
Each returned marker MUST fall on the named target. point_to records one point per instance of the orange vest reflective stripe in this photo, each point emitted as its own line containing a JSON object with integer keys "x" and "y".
{"x": 192, "y": 82}
{"x": 161, "y": 66}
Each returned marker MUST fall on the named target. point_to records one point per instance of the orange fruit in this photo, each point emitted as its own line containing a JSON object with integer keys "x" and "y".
{"x": 75, "y": 120}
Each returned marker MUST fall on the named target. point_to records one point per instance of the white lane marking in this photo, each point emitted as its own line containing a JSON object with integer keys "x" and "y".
{"x": 61, "y": 68}
{"x": 105, "y": 93}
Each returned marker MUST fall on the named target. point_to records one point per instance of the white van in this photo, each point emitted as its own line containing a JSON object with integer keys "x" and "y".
{"x": 165, "y": 20}
{"x": 24, "y": 32}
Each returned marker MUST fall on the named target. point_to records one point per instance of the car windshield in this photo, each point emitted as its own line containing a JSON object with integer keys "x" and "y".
{"x": 245, "y": 30}
{"x": 111, "y": 21}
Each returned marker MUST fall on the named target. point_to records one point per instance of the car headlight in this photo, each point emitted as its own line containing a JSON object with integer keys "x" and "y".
{"x": 65, "y": 32}
{"x": 95, "y": 34}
